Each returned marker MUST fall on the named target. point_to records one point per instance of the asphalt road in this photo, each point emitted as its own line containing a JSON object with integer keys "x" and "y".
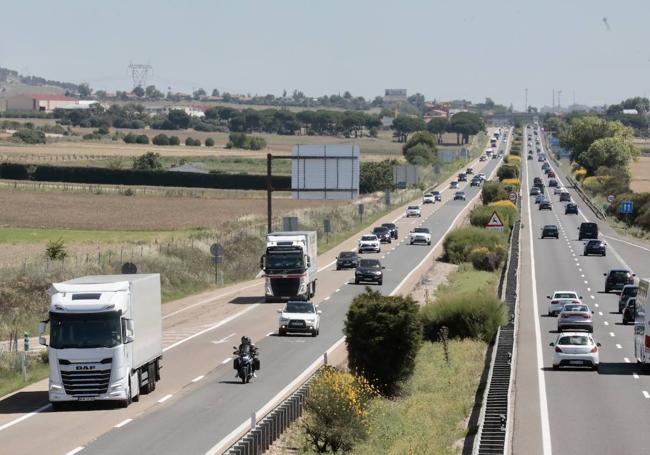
{"x": 575, "y": 410}
{"x": 198, "y": 401}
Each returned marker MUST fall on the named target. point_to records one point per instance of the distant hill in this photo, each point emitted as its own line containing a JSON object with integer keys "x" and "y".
{"x": 9, "y": 77}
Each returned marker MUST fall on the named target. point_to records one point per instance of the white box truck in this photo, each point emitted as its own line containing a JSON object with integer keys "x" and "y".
{"x": 105, "y": 338}
{"x": 289, "y": 265}
{"x": 642, "y": 324}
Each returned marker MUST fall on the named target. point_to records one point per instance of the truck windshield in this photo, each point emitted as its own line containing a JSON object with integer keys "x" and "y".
{"x": 285, "y": 261}
{"x": 85, "y": 330}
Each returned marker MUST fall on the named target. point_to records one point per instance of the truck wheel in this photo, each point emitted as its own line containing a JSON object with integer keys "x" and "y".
{"x": 282, "y": 332}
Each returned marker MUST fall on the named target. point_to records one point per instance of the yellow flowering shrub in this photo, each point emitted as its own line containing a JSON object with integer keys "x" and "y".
{"x": 511, "y": 182}
{"x": 337, "y": 410}
{"x": 580, "y": 174}
{"x": 502, "y": 203}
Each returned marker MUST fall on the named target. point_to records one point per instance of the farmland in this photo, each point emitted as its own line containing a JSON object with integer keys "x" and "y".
{"x": 641, "y": 175}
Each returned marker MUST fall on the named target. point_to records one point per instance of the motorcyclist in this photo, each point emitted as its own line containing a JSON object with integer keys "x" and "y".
{"x": 247, "y": 347}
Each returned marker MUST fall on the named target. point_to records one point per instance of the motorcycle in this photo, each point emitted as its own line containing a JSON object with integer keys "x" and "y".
{"x": 245, "y": 363}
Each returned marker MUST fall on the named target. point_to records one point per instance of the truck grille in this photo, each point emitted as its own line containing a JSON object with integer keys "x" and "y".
{"x": 285, "y": 287}
{"x": 86, "y": 383}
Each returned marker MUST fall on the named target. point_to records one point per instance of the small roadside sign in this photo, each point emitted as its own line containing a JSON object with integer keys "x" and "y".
{"x": 626, "y": 207}
{"x": 512, "y": 196}
{"x": 611, "y": 198}
{"x": 494, "y": 222}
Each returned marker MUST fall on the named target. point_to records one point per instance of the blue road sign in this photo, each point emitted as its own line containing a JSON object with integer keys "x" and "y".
{"x": 625, "y": 207}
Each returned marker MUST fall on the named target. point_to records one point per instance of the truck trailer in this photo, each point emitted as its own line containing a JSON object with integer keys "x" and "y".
{"x": 105, "y": 338}
{"x": 289, "y": 265}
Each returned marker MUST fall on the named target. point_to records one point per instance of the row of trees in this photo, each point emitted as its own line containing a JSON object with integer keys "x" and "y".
{"x": 464, "y": 124}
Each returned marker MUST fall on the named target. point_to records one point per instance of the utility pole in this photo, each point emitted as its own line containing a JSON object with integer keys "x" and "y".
{"x": 559, "y": 103}
{"x": 553, "y": 108}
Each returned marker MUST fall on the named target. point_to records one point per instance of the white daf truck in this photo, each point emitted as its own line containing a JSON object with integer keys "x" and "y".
{"x": 289, "y": 265}
{"x": 105, "y": 338}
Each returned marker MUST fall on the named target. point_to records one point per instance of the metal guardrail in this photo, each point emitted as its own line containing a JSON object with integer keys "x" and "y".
{"x": 594, "y": 208}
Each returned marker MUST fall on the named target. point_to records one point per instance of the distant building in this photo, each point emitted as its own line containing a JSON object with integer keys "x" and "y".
{"x": 630, "y": 112}
{"x": 39, "y": 102}
{"x": 387, "y": 122}
{"x": 395, "y": 96}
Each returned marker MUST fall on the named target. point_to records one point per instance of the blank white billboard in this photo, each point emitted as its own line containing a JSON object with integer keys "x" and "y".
{"x": 325, "y": 171}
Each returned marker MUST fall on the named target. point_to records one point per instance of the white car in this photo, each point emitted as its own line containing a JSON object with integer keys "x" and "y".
{"x": 420, "y": 235}
{"x": 572, "y": 349}
{"x": 559, "y": 190}
{"x": 453, "y": 185}
{"x": 559, "y": 299}
{"x": 428, "y": 199}
{"x": 300, "y": 317}
{"x": 413, "y": 210}
{"x": 369, "y": 242}
{"x": 482, "y": 176}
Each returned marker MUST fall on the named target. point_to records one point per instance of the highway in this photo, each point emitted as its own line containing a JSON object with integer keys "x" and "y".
{"x": 198, "y": 401}
{"x": 575, "y": 410}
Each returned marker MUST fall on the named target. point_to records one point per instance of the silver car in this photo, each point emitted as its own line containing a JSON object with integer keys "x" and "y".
{"x": 575, "y": 316}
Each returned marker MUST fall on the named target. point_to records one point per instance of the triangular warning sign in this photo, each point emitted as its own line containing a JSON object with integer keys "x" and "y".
{"x": 494, "y": 221}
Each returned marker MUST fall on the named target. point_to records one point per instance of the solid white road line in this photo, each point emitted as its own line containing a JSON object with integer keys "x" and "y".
{"x": 25, "y": 417}
{"x": 226, "y": 360}
{"x": 122, "y": 423}
{"x": 77, "y": 450}
{"x": 198, "y": 378}
{"x": 626, "y": 242}
{"x": 165, "y": 398}
{"x": 543, "y": 402}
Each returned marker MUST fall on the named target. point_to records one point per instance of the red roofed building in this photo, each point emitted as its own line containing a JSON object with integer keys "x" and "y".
{"x": 39, "y": 102}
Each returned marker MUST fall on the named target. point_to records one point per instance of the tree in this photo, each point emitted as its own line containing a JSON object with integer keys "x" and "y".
{"x": 405, "y": 125}
{"x": 198, "y": 93}
{"x": 383, "y": 336}
{"x": 420, "y": 149}
{"x": 148, "y": 161}
{"x": 584, "y": 131}
{"x": 30, "y": 136}
{"x": 466, "y": 124}
{"x": 178, "y": 119}
{"x": 152, "y": 92}
{"x": 209, "y": 142}
{"x": 215, "y": 92}
{"x": 438, "y": 126}
{"x": 174, "y": 140}
{"x": 610, "y": 152}
{"x": 84, "y": 90}
{"x": 138, "y": 91}
{"x": 160, "y": 139}
{"x": 376, "y": 176}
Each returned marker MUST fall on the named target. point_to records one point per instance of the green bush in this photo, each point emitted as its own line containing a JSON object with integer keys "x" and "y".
{"x": 383, "y": 336}
{"x": 256, "y": 143}
{"x": 191, "y": 142}
{"x": 493, "y": 191}
{"x": 131, "y": 138}
{"x": 243, "y": 141}
{"x": 475, "y": 315}
{"x": 482, "y": 258}
{"x": 459, "y": 243}
{"x": 508, "y": 171}
{"x": 30, "y": 136}
{"x": 148, "y": 161}
{"x": 209, "y": 142}
{"x": 160, "y": 139}
{"x": 174, "y": 140}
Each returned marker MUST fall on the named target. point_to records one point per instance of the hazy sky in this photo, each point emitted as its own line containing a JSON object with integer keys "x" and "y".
{"x": 442, "y": 48}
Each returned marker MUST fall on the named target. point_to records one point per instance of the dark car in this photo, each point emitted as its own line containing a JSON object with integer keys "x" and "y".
{"x": 476, "y": 181}
{"x": 460, "y": 196}
{"x": 383, "y": 234}
{"x": 550, "y": 230}
{"x": 392, "y": 227}
{"x": 537, "y": 180}
{"x": 628, "y": 310}
{"x": 436, "y": 195}
{"x": 530, "y": 156}
{"x": 534, "y": 191}
{"x": 629, "y": 290}
{"x": 617, "y": 278}
{"x": 545, "y": 205}
{"x": 469, "y": 171}
{"x": 552, "y": 183}
{"x": 571, "y": 208}
{"x": 595, "y": 246}
{"x": 369, "y": 271}
{"x": 462, "y": 177}
{"x": 347, "y": 259}
{"x": 565, "y": 197}
{"x": 588, "y": 231}
{"x": 546, "y": 166}
{"x": 550, "y": 174}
